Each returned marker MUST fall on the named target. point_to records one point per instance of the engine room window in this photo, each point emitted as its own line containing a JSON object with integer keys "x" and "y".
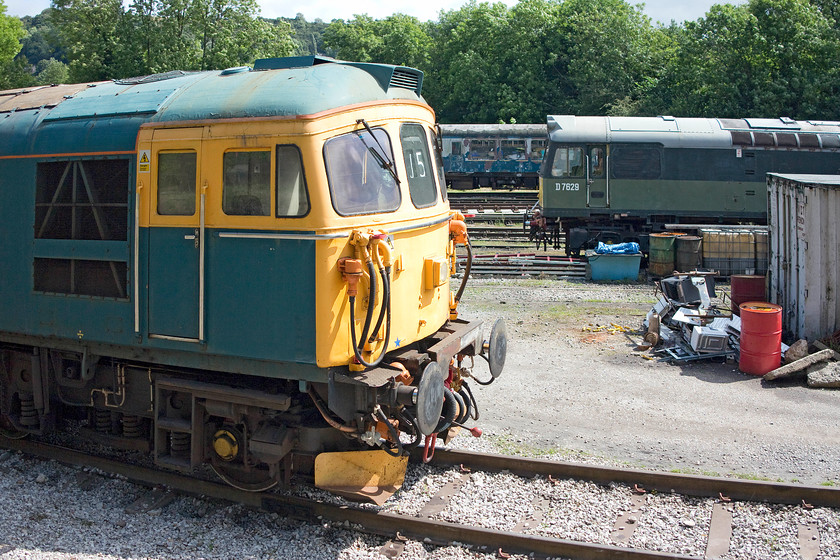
{"x": 418, "y": 166}
{"x": 636, "y": 163}
{"x": 292, "y": 200}
{"x": 567, "y": 162}
{"x": 176, "y": 183}
{"x": 246, "y": 183}
{"x": 82, "y": 199}
{"x": 358, "y": 173}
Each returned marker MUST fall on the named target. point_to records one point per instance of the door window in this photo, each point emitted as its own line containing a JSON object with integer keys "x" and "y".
{"x": 176, "y": 183}
{"x": 596, "y": 162}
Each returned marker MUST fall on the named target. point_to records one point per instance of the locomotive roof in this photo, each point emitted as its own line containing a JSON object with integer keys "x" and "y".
{"x": 674, "y": 132}
{"x": 274, "y": 87}
{"x": 525, "y": 130}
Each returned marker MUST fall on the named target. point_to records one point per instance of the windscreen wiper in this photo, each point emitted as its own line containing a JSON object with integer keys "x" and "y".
{"x": 385, "y": 164}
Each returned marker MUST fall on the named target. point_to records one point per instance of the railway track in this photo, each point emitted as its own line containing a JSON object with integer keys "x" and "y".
{"x": 529, "y": 534}
{"x": 500, "y": 242}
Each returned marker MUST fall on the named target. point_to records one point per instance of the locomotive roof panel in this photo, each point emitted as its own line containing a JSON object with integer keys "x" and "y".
{"x": 509, "y": 130}
{"x": 675, "y": 132}
{"x": 276, "y": 88}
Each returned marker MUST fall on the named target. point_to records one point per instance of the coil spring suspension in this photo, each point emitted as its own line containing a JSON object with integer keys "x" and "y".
{"x": 28, "y": 414}
{"x": 132, "y": 426}
{"x": 179, "y": 445}
{"x": 102, "y": 421}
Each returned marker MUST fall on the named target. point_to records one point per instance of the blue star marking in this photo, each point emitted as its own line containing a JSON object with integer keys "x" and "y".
{"x": 397, "y": 342}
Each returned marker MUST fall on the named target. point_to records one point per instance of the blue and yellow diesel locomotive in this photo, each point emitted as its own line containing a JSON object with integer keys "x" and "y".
{"x": 245, "y": 268}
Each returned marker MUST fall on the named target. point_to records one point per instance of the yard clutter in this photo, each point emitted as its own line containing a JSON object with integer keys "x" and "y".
{"x": 687, "y": 324}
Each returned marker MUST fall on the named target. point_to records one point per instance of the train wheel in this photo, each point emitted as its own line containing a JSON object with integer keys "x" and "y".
{"x": 8, "y": 431}
{"x": 254, "y": 479}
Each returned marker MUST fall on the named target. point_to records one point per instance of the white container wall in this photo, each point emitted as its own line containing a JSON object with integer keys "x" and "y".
{"x": 804, "y": 271}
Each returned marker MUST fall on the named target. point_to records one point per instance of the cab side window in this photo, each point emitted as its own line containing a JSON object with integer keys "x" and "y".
{"x": 292, "y": 201}
{"x": 567, "y": 162}
{"x": 246, "y": 186}
{"x": 176, "y": 183}
{"x": 421, "y": 180}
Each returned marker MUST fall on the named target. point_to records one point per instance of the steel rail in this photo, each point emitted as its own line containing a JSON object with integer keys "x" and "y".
{"x": 688, "y": 484}
{"x": 373, "y": 522}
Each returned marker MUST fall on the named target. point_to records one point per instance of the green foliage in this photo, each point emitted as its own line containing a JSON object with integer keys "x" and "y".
{"x": 51, "y": 71}
{"x": 483, "y": 62}
{"x": 308, "y": 37}
{"x": 11, "y": 31}
{"x": 103, "y": 40}
{"x": 764, "y": 58}
{"x": 398, "y": 39}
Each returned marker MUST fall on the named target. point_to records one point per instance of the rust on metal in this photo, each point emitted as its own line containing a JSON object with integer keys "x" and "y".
{"x": 440, "y": 500}
{"x": 689, "y": 485}
{"x": 720, "y": 532}
{"x": 809, "y": 541}
{"x": 627, "y": 522}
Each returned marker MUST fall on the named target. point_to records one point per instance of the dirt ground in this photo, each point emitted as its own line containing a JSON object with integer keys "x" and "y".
{"x": 576, "y": 384}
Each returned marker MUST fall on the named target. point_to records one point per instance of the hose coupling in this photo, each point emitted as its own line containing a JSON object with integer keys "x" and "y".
{"x": 351, "y": 272}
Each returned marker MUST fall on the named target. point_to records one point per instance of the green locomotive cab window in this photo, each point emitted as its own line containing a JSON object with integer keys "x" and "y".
{"x": 176, "y": 183}
{"x": 567, "y": 161}
{"x": 360, "y": 172}
{"x": 292, "y": 197}
{"x": 418, "y": 166}
{"x": 596, "y": 162}
{"x": 246, "y": 183}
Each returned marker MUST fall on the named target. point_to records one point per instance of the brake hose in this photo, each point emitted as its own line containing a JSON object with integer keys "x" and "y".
{"x": 466, "y": 272}
{"x": 386, "y": 297}
{"x": 371, "y": 303}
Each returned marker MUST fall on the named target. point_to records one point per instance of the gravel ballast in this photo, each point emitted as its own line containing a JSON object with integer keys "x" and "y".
{"x": 566, "y": 393}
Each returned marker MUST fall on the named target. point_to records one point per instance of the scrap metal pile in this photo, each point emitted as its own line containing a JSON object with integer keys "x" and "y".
{"x": 685, "y": 325}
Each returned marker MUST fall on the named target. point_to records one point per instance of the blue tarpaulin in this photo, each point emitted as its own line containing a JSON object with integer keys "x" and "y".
{"x": 617, "y": 249}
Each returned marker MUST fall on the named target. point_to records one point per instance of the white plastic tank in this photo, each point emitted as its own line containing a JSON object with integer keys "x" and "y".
{"x": 804, "y": 270}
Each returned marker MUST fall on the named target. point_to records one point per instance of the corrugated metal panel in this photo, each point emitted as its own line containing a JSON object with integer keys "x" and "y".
{"x": 804, "y": 219}
{"x": 111, "y": 99}
{"x": 35, "y": 98}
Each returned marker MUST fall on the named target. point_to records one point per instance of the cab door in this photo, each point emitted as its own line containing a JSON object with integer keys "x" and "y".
{"x": 597, "y": 177}
{"x": 176, "y": 236}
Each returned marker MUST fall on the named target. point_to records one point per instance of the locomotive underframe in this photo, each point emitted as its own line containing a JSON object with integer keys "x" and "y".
{"x": 250, "y": 429}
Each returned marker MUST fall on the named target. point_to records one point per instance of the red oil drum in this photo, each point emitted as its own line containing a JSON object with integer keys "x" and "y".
{"x": 761, "y": 337}
{"x": 746, "y": 287}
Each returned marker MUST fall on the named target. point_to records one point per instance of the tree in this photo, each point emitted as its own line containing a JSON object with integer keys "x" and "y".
{"x": 765, "y": 58}
{"x": 51, "y": 71}
{"x": 88, "y": 29}
{"x": 398, "y": 39}
{"x": 11, "y": 32}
